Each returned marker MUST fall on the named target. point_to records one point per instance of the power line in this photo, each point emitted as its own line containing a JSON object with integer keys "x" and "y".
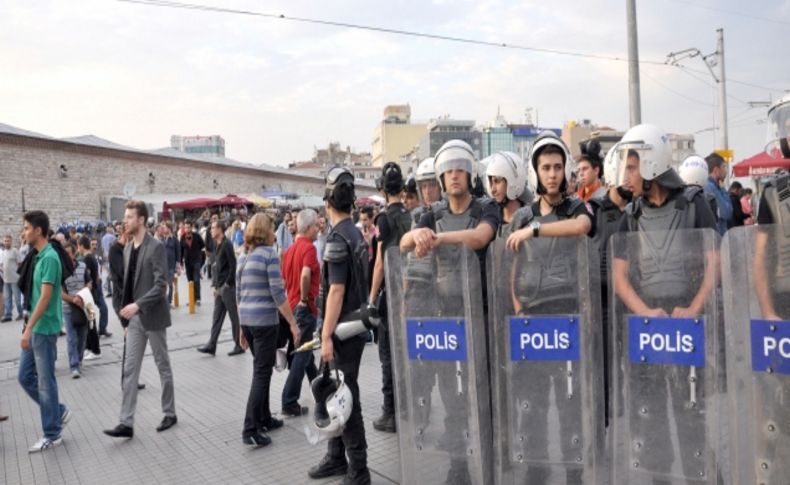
{"x": 732, "y": 12}
{"x": 426, "y": 35}
{"x": 667, "y": 88}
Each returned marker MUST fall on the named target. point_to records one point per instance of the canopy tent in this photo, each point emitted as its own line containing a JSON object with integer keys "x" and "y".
{"x": 760, "y": 165}
{"x": 259, "y": 201}
{"x": 372, "y": 200}
{"x": 197, "y": 203}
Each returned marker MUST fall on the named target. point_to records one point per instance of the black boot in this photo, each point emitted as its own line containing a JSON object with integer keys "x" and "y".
{"x": 385, "y": 422}
{"x": 357, "y": 477}
{"x": 328, "y": 467}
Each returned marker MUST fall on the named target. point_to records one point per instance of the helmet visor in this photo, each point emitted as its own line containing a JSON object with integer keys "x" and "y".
{"x": 778, "y": 144}
{"x": 629, "y": 156}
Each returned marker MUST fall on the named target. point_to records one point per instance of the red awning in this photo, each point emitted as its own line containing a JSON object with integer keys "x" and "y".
{"x": 191, "y": 203}
{"x": 232, "y": 199}
{"x": 759, "y": 165}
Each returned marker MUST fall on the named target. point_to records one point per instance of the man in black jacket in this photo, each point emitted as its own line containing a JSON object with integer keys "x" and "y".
{"x": 192, "y": 247}
{"x": 224, "y": 284}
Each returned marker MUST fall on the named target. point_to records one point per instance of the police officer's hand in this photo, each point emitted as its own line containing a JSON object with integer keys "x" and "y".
{"x": 771, "y": 316}
{"x": 684, "y": 312}
{"x": 517, "y": 237}
{"x": 424, "y": 241}
{"x": 655, "y": 312}
{"x": 327, "y": 350}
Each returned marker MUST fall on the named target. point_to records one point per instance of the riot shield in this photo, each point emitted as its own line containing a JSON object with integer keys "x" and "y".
{"x": 756, "y": 284}
{"x": 439, "y": 356}
{"x": 546, "y": 362}
{"x": 664, "y": 312}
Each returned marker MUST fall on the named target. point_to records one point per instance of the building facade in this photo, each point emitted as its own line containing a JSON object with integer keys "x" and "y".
{"x": 442, "y": 130}
{"x": 213, "y": 145}
{"x": 73, "y": 179}
{"x": 395, "y": 135}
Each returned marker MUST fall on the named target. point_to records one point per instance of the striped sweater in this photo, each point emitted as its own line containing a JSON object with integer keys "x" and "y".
{"x": 259, "y": 287}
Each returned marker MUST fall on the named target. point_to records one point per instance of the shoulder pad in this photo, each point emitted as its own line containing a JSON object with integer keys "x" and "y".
{"x": 335, "y": 251}
{"x": 571, "y": 204}
{"x": 522, "y": 217}
{"x": 691, "y": 191}
{"x": 439, "y": 208}
{"x": 632, "y": 208}
{"x": 378, "y": 216}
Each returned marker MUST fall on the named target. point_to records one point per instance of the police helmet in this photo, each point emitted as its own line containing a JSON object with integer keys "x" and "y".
{"x": 509, "y": 166}
{"x": 339, "y": 187}
{"x": 544, "y": 140}
{"x": 391, "y": 178}
{"x": 694, "y": 170}
{"x": 455, "y": 154}
{"x": 651, "y": 144}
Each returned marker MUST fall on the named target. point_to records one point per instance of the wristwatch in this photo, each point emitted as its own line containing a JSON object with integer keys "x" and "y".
{"x": 535, "y": 228}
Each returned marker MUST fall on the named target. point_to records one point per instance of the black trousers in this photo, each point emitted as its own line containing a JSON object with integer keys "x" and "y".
{"x": 385, "y": 356}
{"x": 224, "y": 303}
{"x": 263, "y": 345}
{"x": 193, "y": 274}
{"x": 348, "y": 355}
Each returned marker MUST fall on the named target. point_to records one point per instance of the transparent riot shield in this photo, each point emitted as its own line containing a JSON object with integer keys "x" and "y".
{"x": 439, "y": 356}
{"x": 665, "y": 315}
{"x": 546, "y": 362}
{"x": 756, "y": 284}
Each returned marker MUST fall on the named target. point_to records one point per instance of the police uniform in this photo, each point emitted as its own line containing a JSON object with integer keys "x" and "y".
{"x": 775, "y": 209}
{"x": 345, "y": 262}
{"x": 546, "y": 284}
{"x": 446, "y": 291}
{"x": 661, "y": 267}
{"x": 392, "y": 224}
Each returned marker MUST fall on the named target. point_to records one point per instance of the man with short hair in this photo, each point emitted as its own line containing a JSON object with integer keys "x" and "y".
{"x": 192, "y": 246}
{"x": 735, "y": 193}
{"x": 717, "y": 173}
{"x": 302, "y": 273}
{"x": 40, "y": 335}
{"x": 223, "y": 282}
{"x": 9, "y": 263}
{"x": 589, "y": 168}
{"x": 173, "y": 254}
{"x": 145, "y": 317}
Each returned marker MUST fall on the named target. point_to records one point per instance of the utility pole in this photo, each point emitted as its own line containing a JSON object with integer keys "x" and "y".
{"x": 634, "y": 99}
{"x": 723, "y": 132}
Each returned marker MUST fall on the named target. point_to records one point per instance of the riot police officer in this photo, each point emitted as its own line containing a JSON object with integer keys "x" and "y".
{"x": 411, "y": 196}
{"x": 775, "y": 209}
{"x": 460, "y": 219}
{"x": 343, "y": 294}
{"x": 506, "y": 178}
{"x": 544, "y": 282}
{"x": 428, "y": 190}
{"x": 393, "y": 222}
{"x": 664, "y": 271}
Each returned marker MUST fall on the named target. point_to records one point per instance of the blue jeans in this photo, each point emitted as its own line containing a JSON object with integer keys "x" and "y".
{"x": 303, "y": 362}
{"x": 37, "y": 377}
{"x": 75, "y": 340}
{"x": 11, "y": 295}
{"x": 170, "y": 276}
{"x": 103, "y": 315}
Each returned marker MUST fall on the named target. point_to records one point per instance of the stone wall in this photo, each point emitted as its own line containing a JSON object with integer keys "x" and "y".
{"x": 30, "y": 179}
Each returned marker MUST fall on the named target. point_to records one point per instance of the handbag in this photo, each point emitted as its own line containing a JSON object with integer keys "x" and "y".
{"x": 78, "y": 316}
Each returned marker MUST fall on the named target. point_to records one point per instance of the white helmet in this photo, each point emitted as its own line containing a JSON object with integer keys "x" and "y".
{"x": 425, "y": 170}
{"x": 651, "y": 144}
{"x": 455, "y": 154}
{"x": 333, "y": 402}
{"x": 694, "y": 170}
{"x": 611, "y": 166}
{"x": 509, "y": 166}
{"x": 543, "y": 140}
{"x": 778, "y": 140}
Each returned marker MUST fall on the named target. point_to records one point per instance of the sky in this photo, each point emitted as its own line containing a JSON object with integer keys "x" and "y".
{"x": 275, "y": 89}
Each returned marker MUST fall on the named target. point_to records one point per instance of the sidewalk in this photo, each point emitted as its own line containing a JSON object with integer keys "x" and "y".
{"x": 204, "y": 447}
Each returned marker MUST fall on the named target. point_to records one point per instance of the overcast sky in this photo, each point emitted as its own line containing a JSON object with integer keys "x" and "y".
{"x": 273, "y": 89}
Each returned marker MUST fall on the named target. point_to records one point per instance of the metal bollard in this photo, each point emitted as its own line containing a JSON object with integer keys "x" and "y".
{"x": 191, "y": 297}
{"x": 175, "y": 291}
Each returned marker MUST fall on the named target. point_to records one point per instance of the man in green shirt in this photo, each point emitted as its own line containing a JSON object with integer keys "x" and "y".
{"x": 39, "y": 339}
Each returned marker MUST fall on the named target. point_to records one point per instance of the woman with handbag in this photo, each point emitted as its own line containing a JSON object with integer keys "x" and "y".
{"x": 260, "y": 293}
{"x": 74, "y": 316}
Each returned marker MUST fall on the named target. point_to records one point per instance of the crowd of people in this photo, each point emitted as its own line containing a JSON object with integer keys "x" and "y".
{"x": 297, "y": 277}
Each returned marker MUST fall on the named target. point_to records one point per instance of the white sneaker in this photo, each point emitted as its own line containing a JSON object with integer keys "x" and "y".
{"x": 45, "y": 444}
{"x": 75, "y": 374}
{"x": 90, "y": 356}
{"x": 65, "y": 418}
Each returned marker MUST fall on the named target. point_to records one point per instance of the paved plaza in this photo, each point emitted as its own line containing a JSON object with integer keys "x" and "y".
{"x": 204, "y": 447}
